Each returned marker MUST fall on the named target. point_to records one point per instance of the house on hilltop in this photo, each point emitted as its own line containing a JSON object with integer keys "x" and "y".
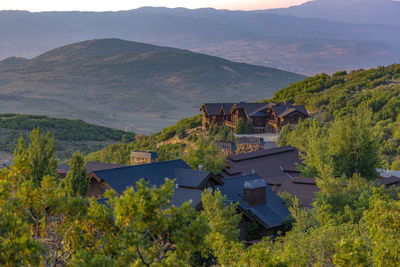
{"x": 265, "y": 117}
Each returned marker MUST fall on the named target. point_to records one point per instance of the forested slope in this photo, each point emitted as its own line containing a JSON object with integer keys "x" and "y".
{"x": 375, "y": 91}
{"x": 70, "y": 135}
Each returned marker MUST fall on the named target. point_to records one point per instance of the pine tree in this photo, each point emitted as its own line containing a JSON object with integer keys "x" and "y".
{"x": 240, "y": 127}
{"x": 249, "y": 129}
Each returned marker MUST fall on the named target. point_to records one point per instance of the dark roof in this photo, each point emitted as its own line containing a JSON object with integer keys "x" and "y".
{"x": 155, "y": 173}
{"x": 189, "y": 177}
{"x": 282, "y": 109}
{"x": 183, "y": 195}
{"x": 392, "y": 180}
{"x": 278, "y": 167}
{"x": 215, "y": 108}
{"x": 250, "y": 108}
{"x": 262, "y": 153}
{"x": 180, "y": 196}
{"x": 271, "y": 214}
{"x": 92, "y": 166}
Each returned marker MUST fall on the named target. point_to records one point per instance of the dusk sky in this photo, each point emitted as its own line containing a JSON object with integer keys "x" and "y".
{"x": 115, "y": 5}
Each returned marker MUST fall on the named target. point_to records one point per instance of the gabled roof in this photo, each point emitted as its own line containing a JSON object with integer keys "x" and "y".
{"x": 189, "y": 177}
{"x": 278, "y": 167}
{"x": 271, "y": 214}
{"x": 180, "y": 196}
{"x": 249, "y": 108}
{"x": 283, "y": 109}
{"x": 215, "y": 108}
{"x": 99, "y": 166}
{"x": 155, "y": 173}
{"x": 92, "y": 166}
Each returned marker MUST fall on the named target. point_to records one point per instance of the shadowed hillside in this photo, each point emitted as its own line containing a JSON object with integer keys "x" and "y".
{"x": 120, "y": 84}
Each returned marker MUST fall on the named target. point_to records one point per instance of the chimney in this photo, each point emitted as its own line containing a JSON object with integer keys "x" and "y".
{"x": 200, "y": 167}
{"x": 255, "y": 192}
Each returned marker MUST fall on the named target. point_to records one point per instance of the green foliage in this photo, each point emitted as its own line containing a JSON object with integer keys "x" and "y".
{"x": 207, "y": 154}
{"x": 70, "y": 135}
{"x": 182, "y": 132}
{"x": 342, "y": 147}
{"x": 384, "y": 229}
{"x": 223, "y": 239}
{"x": 38, "y": 159}
{"x": 344, "y": 93}
{"x": 248, "y": 128}
{"x": 120, "y": 153}
{"x": 173, "y": 130}
{"x": 240, "y": 127}
{"x": 16, "y": 246}
{"x": 225, "y": 134}
{"x": 352, "y": 223}
{"x": 76, "y": 182}
{"x": 170, "y": 151}
{"x": 152, "y": 231}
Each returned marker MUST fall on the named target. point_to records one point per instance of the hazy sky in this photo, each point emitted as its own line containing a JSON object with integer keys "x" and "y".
{"x": 114, "y": 5}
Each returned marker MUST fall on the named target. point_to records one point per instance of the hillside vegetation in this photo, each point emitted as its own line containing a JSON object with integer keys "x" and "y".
{"x": 70, "y": 135}
{"x": 119, "y": 83}
{"x": 375, "y": 91}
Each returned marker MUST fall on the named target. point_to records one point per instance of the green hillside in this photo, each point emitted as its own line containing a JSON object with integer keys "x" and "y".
{"x": 119, "y": 83}
{"x": 331, "y": 97}
{"x": 70, "y": 135}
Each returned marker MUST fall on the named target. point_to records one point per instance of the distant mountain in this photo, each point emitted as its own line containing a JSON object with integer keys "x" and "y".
{"x": 128, "y": 84}
{"x": 302, "y": 45}
{"x": 352, "y": 11}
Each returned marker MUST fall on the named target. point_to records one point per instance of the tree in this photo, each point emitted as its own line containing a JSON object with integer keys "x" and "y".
{"x": 207, "y": 154}
{"x": 152, "y": 231}
{"x": 343, "y": 147}
{"x": 76, "y": 182}
{"x": 240, "y": 127}
{"x": 223, "y": 239}
{"x": 382, "y": 220}
{"x": 39, "y": 158}
{"x": 248, "y": 128}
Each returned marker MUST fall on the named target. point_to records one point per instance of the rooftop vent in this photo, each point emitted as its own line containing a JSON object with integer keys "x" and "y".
{"x": 255, "y": 192}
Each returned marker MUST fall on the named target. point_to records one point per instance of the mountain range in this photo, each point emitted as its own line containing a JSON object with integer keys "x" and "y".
{"x": 351, "y": 11}
{"x": 129, "y": 85}
{"x": 301, "y": 42}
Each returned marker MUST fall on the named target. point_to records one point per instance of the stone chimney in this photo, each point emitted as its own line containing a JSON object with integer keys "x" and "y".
{"x": 143, "y": 157}
{"x": 254, "y": 192}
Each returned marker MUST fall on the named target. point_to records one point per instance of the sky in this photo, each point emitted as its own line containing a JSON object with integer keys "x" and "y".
{"x": 115, "y": 5}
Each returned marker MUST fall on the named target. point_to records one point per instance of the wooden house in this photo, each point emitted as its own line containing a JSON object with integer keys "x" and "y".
{"x": 265, "y": 117}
